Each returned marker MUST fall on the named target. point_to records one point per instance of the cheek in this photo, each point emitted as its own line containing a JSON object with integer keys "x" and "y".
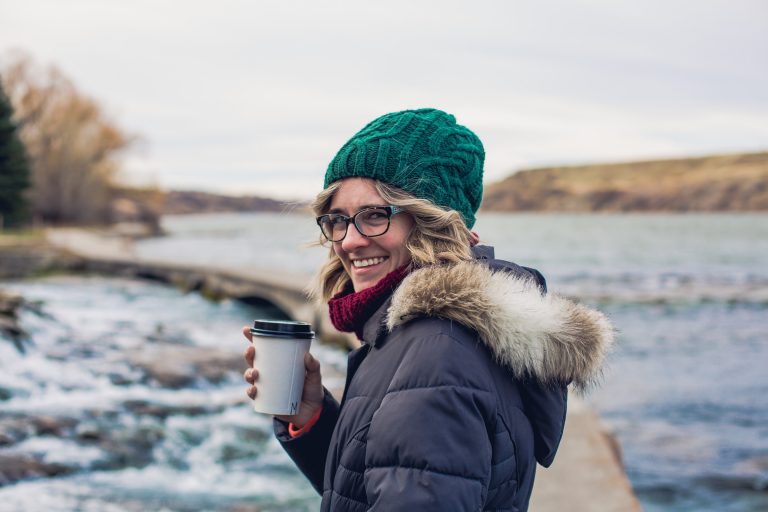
{"x": 399, "y": 249}
{"x": 339, "y": 252}
{"x": 400, "y": 255}
{"x": 405, "y": 256}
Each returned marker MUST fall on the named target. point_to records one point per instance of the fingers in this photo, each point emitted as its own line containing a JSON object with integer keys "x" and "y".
{"x": 249, "y": 355}
{"x": 251, "y": 375}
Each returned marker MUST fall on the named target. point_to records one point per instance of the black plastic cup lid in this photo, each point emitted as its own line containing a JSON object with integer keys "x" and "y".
{"x": 282, "y": 328}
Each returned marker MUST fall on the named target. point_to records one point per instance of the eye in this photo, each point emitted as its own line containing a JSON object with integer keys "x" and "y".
{"x": 335, "y": 220}
{"x": 374, "y": 216}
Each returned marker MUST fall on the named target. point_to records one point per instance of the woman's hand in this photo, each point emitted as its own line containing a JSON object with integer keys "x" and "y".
{"x": 311, "y": 397}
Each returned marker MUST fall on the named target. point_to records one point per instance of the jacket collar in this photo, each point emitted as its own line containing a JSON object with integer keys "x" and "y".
{"x": 547, "y": 337}
{"x": 375, "y": 329}
{"x": 483, "y": 252}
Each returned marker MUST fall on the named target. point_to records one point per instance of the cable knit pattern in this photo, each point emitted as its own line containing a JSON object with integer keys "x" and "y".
{"x": 350, "y": 311}
{"x": 423, "y": 152}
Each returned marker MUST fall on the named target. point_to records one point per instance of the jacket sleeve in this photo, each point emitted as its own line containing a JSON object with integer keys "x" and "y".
{"x": 309, "y": 450}
{"x": 428, "y": 445}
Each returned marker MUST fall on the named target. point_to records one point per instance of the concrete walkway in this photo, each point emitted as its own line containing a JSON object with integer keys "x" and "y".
{"x": 90, "y": 243}
{"x": 587, "y": 475}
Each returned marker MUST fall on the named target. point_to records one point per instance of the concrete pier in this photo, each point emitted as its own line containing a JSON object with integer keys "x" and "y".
{"x": 587, "y": 474}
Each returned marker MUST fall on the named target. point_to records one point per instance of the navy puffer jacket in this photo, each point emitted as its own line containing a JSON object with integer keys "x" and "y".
{"x": 458, "y": 389}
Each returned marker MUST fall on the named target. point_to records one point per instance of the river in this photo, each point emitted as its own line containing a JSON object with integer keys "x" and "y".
{"x": 685, "y": 390}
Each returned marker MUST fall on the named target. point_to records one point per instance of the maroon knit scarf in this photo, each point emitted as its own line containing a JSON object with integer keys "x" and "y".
{"x": 350, "y": 311}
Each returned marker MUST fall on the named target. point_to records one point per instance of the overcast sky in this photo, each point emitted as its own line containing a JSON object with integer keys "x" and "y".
{"x": 256, "y": 97}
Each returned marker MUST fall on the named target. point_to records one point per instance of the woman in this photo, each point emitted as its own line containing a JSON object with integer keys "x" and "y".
{"x": 459, "y": 386}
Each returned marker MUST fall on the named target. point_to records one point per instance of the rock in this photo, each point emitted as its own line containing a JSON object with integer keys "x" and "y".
{"x": 758, "y": 464}
{"x": 179, "y": 366}
{"x": 16, "y": 428}
{"x": 733, "y": 482}
{"x": 162, "y": 411}
{"x": 755, "y": 471}
{"x": 14, "y": 468}
{"x": 132, "y": 447}
{"x": 53, "y": 426}
{"x": 10, "y": 327}
{"x": 119, "y": 379}
{"x": 10, "y": 303}
{"x": 122, "y": 446}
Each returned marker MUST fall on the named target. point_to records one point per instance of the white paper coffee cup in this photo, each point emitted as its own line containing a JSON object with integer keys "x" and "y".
{"x": 280, "y": 348}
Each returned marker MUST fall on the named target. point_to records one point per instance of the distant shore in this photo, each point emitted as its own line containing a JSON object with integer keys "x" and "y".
{"x": 718, "y": 183}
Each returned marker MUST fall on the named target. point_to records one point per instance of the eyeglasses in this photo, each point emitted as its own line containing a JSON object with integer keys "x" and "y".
{"x": 370, "y": 222}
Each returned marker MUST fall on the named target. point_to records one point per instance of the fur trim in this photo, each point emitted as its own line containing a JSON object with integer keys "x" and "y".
{"x": 546, "y": 337}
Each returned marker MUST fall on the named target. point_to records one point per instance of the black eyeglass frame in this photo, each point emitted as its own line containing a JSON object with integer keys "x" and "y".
{"x": 390, "y": 209}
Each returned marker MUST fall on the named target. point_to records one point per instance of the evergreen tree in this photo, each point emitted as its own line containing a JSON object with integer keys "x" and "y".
{"x": 14, "y": 168}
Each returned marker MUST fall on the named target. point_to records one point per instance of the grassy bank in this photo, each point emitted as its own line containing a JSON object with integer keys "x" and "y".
{"x": 714, "y": 183}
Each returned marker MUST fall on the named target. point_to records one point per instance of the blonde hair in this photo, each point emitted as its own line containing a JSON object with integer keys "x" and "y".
{"x": 439, "y": 236}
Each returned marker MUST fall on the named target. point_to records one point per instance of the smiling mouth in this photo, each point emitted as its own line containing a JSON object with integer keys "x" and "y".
{"x": 367, "y": 262}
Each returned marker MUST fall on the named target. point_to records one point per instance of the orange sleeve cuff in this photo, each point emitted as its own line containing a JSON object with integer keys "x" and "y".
{"x": 294, "y": 432}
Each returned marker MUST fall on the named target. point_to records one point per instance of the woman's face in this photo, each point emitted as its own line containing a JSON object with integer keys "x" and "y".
{"x": 367, "y": 260}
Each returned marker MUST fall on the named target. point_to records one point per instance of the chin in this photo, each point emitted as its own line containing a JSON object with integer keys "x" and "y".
{"x": 367, "y": 283}
{"x": 360, "y": 286}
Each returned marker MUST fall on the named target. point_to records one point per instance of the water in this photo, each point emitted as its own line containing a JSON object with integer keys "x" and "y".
{"x": 685, "y": 390}
{"x": 83, "y": 402}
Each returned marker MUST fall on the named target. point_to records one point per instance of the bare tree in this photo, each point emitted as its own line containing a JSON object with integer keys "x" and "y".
{"x": 73, "y": 146}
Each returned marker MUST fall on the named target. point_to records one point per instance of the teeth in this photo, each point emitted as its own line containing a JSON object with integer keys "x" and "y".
{"x": 367, "y": 262}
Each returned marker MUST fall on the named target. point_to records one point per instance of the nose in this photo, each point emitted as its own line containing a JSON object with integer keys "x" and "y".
{"x": 354, "y": 240}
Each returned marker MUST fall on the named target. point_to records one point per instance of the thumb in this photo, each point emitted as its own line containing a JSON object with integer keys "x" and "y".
{"x": 313, "y": 367}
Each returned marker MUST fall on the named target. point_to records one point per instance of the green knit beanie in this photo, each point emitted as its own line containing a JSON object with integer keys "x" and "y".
{"x": 423, "y": 152}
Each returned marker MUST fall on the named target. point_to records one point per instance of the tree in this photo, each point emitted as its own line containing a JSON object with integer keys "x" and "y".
{"x": 72, "y": 145}
{"x": 14, "y": 171}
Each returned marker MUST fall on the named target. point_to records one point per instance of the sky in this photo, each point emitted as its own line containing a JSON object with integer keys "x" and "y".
{"x": 256, "y": 97}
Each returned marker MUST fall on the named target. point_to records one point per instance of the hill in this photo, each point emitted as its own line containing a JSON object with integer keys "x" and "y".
{"x": 181, "y": 202}
{"x": 713, "y": 183}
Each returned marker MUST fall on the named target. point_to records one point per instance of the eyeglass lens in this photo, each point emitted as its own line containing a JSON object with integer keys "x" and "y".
{"x": 369, "y": 222}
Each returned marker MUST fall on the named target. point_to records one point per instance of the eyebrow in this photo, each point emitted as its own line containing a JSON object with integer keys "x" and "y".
{"x": 339, "y": 210}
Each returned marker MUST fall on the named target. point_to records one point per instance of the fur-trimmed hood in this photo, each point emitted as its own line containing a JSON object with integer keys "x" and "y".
{"x": 543, "y": 336}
